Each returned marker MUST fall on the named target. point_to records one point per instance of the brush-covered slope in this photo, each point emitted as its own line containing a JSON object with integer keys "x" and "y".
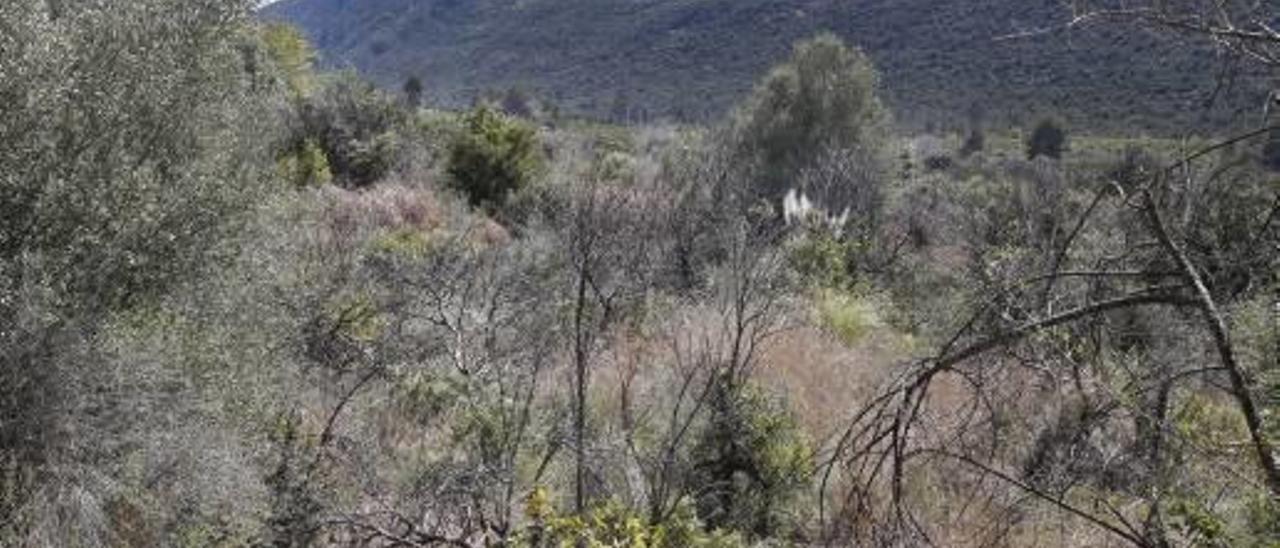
{"x": 941, "y": 59}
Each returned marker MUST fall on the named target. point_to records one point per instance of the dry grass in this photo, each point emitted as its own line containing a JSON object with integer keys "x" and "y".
{"x": 386, "y": 207}
{"x": 824, "y": 379}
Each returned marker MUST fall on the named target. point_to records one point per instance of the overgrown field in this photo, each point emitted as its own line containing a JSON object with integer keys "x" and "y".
{"x": 245, "y": 302}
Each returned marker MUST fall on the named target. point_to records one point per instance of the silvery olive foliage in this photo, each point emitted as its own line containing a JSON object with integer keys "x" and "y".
{"x": 821, "y": 104}
{"x": 136, "y": 135}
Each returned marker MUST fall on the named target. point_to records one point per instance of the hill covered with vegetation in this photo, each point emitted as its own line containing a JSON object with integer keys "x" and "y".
{"x": 943, "y": 62}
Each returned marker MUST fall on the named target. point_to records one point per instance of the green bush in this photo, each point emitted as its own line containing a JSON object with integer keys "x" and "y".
{"x": 822, "y": 260}
{"x": 294, "y": 506}
{"x": 614, "y": 525}
{"x": 494, "y": 157}
{"x": 754, "y": 463}
{"x": 846, "y": 315}
{"x": 306, "y": 166}
{"x": 345, "y": 130}
{"x": 1263, "y": 522}
{"x": 293, "y": 57}
{"x": 823, "y": 98}
{"x": 358, "y": 127}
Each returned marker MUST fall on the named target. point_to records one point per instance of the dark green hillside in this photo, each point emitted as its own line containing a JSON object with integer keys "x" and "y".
{"x": 692, "y": 58}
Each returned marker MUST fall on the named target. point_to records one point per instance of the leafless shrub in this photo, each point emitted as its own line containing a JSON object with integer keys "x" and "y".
{"x": 1112, "y": 433}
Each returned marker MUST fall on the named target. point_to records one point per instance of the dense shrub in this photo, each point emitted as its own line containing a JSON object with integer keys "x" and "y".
{"x": 413, "y": 91}
{"x": 293, "y": 57}
{"x": 359, "y": 128}
{"x": 307, "y": 166}
{"x": 294, "y": 508}
{"x": 846, "y": 315}
{"x": 493, "y": 158}
{"x": 754, "y": 464}
{"x": 614, "y": 524}
{"x": 823, "y": 98}
{"x": 345, "y": 130}
{"x": 137, "y": 138}
{"x": 823, "y": 260}
{"x": 1047, "y": 139}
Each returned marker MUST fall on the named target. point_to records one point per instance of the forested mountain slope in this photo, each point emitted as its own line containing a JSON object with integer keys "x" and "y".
{"x": 690, "y": 59}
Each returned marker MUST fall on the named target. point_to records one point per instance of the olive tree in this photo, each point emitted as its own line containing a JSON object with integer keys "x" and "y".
{"x": 135, "y": 138}
{"x": 824, "y": 97}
